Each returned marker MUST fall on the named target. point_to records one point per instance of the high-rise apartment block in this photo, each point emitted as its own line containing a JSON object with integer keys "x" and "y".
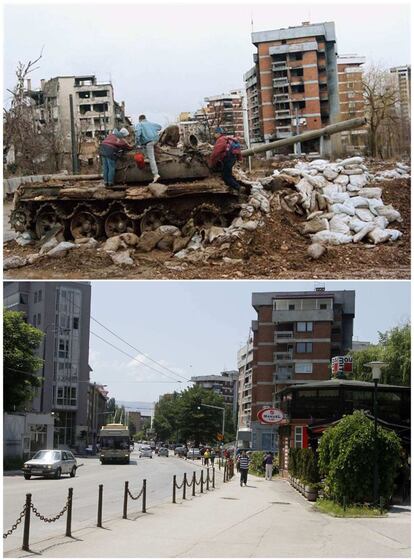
{"x": 295, "y": 336}
{"x": 293, "y": 85}
{"x": 62, "y": 311}
{"x": 351, "y": 99}
{"x": 403, "y": 78}
{"x": 244, "y": 365}
{"x": 225, "y": 110}
{"x": 225, "y": 385}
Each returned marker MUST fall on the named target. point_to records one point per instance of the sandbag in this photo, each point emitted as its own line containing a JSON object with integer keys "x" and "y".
{"x": 339, "y": 224}
{"x": 331, "y": 238}
{"x": 390, "y": 213}
{"x": 371, "y": 192}
{"x": 378, "y": 235}
{"x": 363, "y": 232}
{"x": 345, "y": 208}
{"x": 314, "y": 225}
{"x": 364, "y": 214}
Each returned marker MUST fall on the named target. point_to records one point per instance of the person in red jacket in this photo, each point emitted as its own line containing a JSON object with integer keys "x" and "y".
{"x": 110, "y": 150}
{"x": 226, "y": 152}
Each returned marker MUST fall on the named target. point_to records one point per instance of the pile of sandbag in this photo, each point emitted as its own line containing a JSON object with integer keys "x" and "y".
{"x": 339, "y": 205}
{"x": 401, "y": 171}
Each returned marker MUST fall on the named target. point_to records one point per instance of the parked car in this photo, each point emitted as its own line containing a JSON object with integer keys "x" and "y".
{"x": 163, "y": 452}
{"x": 180, "y": 450}
{"x": 50, "y": 462}
{"x": 193, "y": 453}
{"x": 145, "y": 451}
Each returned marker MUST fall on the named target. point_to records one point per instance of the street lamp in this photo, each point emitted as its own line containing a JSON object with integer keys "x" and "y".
{"x": 219, "y": 408}
{"x": 376, "y": 376}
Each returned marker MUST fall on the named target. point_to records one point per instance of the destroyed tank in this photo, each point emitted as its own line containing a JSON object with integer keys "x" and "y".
{"x": 83, "y": 207}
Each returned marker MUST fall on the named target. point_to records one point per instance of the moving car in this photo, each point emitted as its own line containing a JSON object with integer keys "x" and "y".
{"x": 193, "y": 453}
{"x": 50, "y": 462}
{"x": 163, "y": 452}
{"x": 145, "y": 451}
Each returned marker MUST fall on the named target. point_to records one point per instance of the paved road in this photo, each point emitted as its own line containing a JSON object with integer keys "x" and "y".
{"x": 49, "y": 495}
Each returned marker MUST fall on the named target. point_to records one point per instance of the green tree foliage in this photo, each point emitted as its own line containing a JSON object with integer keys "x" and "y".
{"x": 347, "y": 455}
{"x": 394, "y": 348}
{"x": 303, "y": 465}
{"x": 181, "y": 417}
{"x": 20, "y": 363}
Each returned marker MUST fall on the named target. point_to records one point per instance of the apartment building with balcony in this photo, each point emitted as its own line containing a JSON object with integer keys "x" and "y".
{"x": 225, "y": 110}
{"x": 293, "y": 85}
{"x": 402, "y": 80}
{"x": 225, "y": 385}
{"x": 295, "y": 336}
{"x": 244, "y": 366}
{"x": 96, "y": 112}
{"x": 62, "y": 311}
{"x": 351, "y": 100}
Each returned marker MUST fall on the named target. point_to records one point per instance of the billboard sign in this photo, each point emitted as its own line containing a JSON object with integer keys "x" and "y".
{"x": 270, "y": 416}
{"x": 341, "y": 365}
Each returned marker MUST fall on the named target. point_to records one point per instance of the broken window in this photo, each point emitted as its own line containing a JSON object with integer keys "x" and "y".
{"x": 100, "y": 93}
{"x": 299, "y": 88}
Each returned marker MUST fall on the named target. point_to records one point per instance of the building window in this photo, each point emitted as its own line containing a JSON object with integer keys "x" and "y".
{"x": 304, "y": 367}
{"x": 38, "y": 319}
{"x": 76, "y": 323}
{"x": 298, "y": 437}
{"x": 304, "y": 326}
{"x": 304, "y": 347}
{"x": 40, "y": 296}
{"x": 291, "y": 306}
{"x": 35, "y": 297}
{"x": 323, "y": 306}
{"x": 34, "y": 320}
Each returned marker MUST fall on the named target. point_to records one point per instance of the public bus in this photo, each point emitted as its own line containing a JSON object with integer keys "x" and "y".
{"x": 114, "y": 444}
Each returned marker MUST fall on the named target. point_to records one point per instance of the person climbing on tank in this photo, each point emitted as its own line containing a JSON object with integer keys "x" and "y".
{"x": 146, "y": 136}
{"x": 224, "y": 155}
{"x": 110, "y": 150}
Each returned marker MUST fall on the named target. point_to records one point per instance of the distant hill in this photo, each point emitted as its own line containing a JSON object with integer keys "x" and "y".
{"x": 145, "y": 408}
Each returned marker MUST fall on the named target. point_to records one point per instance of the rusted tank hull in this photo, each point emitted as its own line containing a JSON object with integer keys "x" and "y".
{"x": 173, "y": 164}
{"x": 86, "y": 209}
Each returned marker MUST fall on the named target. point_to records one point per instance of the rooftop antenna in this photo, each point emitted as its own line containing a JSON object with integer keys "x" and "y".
{"x": 319, "y": 286}
{"x": 251, "y": 20}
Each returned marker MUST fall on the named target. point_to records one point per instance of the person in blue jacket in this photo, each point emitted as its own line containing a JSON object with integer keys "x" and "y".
{"x": 146, "y": 136}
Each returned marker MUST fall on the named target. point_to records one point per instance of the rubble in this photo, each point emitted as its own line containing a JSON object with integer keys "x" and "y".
{"x": 14, "y": 262}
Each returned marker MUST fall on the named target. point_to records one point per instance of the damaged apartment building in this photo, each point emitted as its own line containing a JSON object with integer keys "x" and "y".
{"x": 95, "y": 113}
{"x": 297, "y": 85}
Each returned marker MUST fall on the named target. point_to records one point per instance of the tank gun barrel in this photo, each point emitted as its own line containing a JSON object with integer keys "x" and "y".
{"x": 309, "y": 135}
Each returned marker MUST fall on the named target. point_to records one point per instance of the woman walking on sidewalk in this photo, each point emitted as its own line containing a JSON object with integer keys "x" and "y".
{"x": 244, "y": 468}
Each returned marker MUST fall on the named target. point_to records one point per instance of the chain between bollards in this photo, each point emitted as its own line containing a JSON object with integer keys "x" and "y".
{"x": 100, "y": 502}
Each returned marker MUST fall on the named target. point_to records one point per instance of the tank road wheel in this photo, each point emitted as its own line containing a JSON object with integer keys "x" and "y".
{"x": 117, "y": 223}
{"x": 209, "y": 216}
{"x": 20, "y": 219}
{"x": 85, "y": 224}
{"x": 46, "y": 219}
{"x": 152, "y": 219}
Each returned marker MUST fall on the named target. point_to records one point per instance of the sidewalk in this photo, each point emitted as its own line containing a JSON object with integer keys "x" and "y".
{"x": 264, "y": 519}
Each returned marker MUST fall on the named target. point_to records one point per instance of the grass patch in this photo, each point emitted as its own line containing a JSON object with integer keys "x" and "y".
{"x": 336, "y": 510}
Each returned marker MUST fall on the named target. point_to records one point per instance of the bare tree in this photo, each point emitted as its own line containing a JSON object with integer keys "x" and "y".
{"x": 36, "y": 141}
{"x": 381, "y": 100}
{"x": 212, "y": 118}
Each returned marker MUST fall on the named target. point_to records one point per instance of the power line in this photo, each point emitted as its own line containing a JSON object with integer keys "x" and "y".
{"x": 139, "y": 351}
{"x": 130, "y": 345}
{"x": 133, "y": 357}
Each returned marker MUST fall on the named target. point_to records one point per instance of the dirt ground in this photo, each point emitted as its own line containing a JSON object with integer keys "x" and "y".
{"x": 276, "y": 251}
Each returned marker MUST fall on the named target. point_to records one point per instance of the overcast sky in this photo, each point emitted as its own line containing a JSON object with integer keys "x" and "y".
{"x": 164, "y": 59}
{"x": 196, "y": 327}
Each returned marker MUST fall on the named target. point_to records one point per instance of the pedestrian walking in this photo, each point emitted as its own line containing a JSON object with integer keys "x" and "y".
{"x": 206, "y": 457}
{"x": 212, "y": 457}
{"x": 268, "y": 464}
{"x": 225, "y": 153}
{"x": 146, "y": 135}
{"x": 244, "y": 468}
{"x": 110, "y": 150}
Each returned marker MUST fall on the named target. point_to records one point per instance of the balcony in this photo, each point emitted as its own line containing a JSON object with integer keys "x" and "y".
{"x": 283, "y": 356}
{"x": 280, "y": 82}
{"x": 279, "y": 66}
{"x": 282, "y": 335}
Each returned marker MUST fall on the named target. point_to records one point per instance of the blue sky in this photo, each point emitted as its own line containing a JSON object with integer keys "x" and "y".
{"x": 165, "y": 58}
{"x": 197, "y": 327}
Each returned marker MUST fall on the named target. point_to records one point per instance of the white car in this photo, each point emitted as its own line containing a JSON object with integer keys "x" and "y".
{"x": 145, "y": 451}
{"x": 50, "y": 462}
